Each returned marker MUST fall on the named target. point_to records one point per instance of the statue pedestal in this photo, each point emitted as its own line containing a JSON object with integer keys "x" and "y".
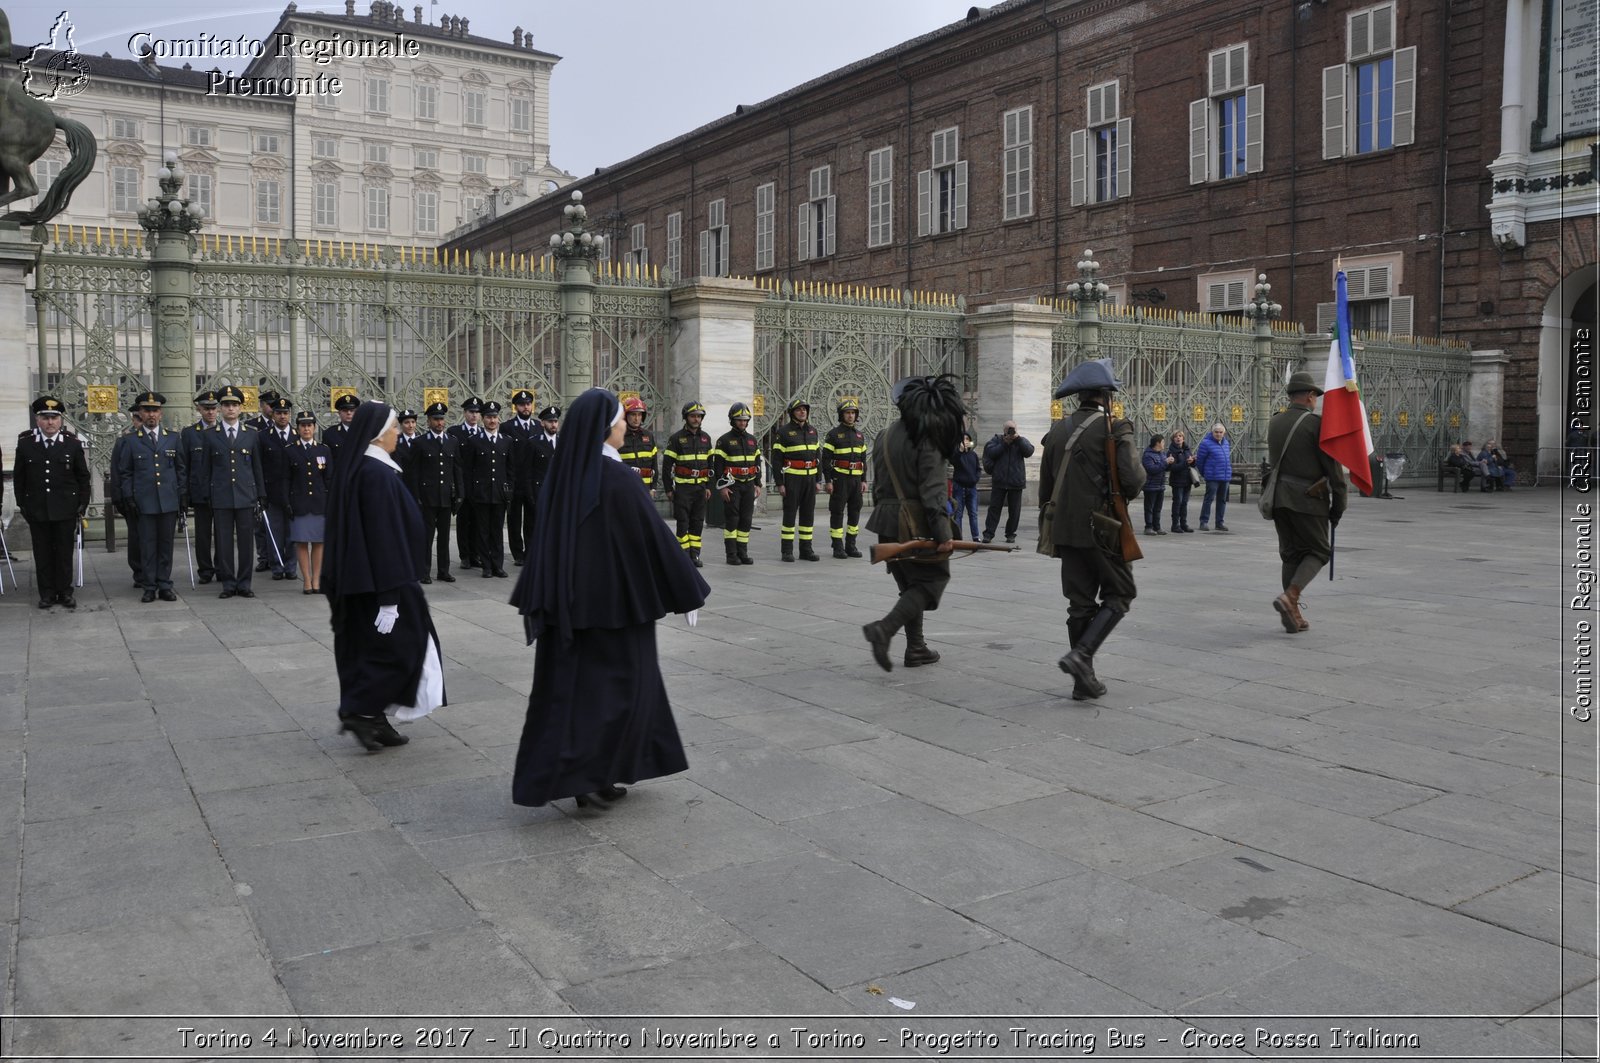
{"x": 19, "y": 255}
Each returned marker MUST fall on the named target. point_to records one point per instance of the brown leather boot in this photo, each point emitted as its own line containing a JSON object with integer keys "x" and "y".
{"x": 1288, "y": 606}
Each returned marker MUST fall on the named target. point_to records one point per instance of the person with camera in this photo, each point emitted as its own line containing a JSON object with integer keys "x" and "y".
{"x": 1005, "y": 458}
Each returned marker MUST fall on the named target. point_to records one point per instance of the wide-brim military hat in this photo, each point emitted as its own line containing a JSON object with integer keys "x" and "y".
{"x": 346, "y": 402}
{"x": 149, "y": 400}
{"x": 1095, "y": 375}
{"x": 438, "y": 409}
{"x": 521, "y": 397}
{"x": 305, "y": 417}
{"x": 48, "y": 404}
{"x": 1301, "y": 382}
{"x": 406, "y": 415}
{"x": 490, "y": 409}
{"x": 473, "y": 405}
{"x": 230, "y": 394}
{"x": 207, "y": 399}
{"x": 550, "y": 413}
{"x": 280, "y": 405}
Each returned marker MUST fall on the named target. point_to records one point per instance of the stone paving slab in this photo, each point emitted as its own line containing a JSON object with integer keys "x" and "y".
{"x": 1382, "y": 814}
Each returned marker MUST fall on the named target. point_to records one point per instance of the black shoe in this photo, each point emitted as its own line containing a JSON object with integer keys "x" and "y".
{"x": 988, "y": 537}
{"x": 519, "y": 562}
{"x": 501, "y": 573}
{"x": 262, "y": 566}
{"x": 427, "y": 579}
{"x": 68, "y": 600}
{"x": 384, "y": 731}
{"x": 878, "y": 634}
{"x": 245, "y": 593}
{"x": 365, "y": 728}
{"x": 148, "y": 596}
{"x": 1011, "y": 538}
{"x": 695, "y": 558}
{"x": 445, "y": 577}
{"x": 917, "y": 656}
{"x": 838, "y": 551}
{"x": 1158, "y": 531}
{"x": 612, "y": 793}
{"x": 280, "y": 575}
{"x": 808, "y": 554}
{"x": 744, "y": 557}
{"x": 205, "y": 579}
{"x": 45, "y": 603}
{"x": 1221, "y": 526}
{"x": 788, "y": 555}
{"x": 1079, "y": 662}
{"x": 227, "y": 594}
{"x": 167, "y": 595}
{"x": 487, "y": 574}
{"x": 595, "y": 801}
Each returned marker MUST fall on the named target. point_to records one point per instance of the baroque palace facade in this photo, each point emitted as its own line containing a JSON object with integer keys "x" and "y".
{"x": 1443, "y": 154}
{"x": 376, "y": 128}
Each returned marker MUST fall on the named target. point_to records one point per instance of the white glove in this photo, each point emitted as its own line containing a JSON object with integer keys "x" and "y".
{"x": 693, "y": 616}
{"x": 387, "y": 615}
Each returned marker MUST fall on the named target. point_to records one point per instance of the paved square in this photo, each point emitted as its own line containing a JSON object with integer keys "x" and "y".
{"x": 1387, "y": 817}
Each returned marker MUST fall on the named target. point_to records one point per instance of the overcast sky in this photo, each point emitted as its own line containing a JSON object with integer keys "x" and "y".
{"x": 633, "y": 73}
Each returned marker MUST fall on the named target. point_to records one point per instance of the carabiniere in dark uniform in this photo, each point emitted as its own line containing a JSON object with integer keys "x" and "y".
{"x": 488, "y": 464}
{"x": 204, "y": 525}
{"x": 152, "y": 477}
{"x": 51, "y": 484}
{"x": 435, "y": 479}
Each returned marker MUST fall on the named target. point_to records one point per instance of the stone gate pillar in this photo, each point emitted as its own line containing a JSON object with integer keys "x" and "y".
{"x": 1014, "y": 375}
{"x": 713, "y": 348}
{"x": 19, "y": 256}
{"x": 172, "y": 222}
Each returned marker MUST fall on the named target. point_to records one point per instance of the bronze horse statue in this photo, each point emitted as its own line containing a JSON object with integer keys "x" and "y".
{"x": 27, "y": 129}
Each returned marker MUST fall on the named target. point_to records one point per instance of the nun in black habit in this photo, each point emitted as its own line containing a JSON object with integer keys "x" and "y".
{"x": 601, "y": 569}
{"x": 384, "y": 645}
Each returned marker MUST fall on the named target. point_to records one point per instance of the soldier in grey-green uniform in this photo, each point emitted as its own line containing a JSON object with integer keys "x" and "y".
{"x": 1308, "y": 495}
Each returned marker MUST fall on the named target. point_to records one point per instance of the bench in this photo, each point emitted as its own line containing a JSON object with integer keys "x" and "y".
{"x": 1453, "y": 474}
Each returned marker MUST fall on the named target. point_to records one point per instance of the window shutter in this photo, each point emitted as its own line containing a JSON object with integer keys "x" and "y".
{"x": 1096, "y": 107}
{"x": 1080, "y": 166}
{"x": 924, "y": 201}
{"x": 1219, "y": 73}
{"x": 1255, "y": 121}
{"x": 1355, "y": 281}
{"x": 705, "y": 252}
{"x": 827, "y": 225}
{"x": 1400, "y": 312}
{"x": 1239, "y": 66}
{"x": 1382, "y": 28}
{"x": 1124, "y": 158}
{"x": 1405, "y": 95}
{"x": 803, "y": 231}
{"x": 961, "y": 196}
{"x": 1199, "y": 141}
{"x": 724, "y": 265}
{"x": 1326, "y": 312}
{"x": 1235, "y": 295}
{"x": 1216, "y": 296}
{"x": 1333, "y": 112}
{"x": 1359, "y": 44}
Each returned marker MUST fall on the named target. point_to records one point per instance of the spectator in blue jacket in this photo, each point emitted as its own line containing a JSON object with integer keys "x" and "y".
{"x": 1155, "y": 460}
{"x": 1214, "y": 458}
{"x": 1005, "y": 457}
{"x": 964, "y": 464}
{"x": 1178, "y": 479}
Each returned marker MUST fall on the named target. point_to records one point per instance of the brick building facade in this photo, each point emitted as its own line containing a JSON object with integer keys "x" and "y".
{"x": 1193, "y": 144}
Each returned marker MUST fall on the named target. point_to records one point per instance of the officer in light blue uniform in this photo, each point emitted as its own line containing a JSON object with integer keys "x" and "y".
{"x": 152, "y": 478}
{"x": 230, "y": 476}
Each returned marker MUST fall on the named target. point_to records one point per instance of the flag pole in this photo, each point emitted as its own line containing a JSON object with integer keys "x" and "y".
{"x": 1333, "y": 538}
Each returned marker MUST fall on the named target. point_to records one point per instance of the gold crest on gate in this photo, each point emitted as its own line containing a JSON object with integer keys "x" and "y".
{"x": 433, "y": 395}
{"x": 101, "y": 398}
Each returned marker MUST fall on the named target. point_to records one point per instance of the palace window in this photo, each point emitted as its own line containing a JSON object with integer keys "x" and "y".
{"x": 471, "y": 162}
{"x": 521, "y": 114}
{"x": 428, "y": 103}
{"x": 125, "y": 198}
{"x": 327, "y": 204}
{"x": 1226, "y": 293}
{"x": 474, "y": 107}
{"x": 378, "y": 208}
{"x": 817, "y": 215}
{"x": 267, "y": 202}
{"x": 378, "y": 95}
{"x": 1225, "y": 128}
{"x": 268, "y": 143}
{"x": 714, "y": 240}
{"x": 1369, "y": 102}
{"x": 766, "y": 224}
{"x": 427, "y": 206}
{"x": 427, "y": 159}
{"x": 675, "y": 244}
{"x": 1018, "y": 132}
{"x": 1372, "y": 285}
{"x": 638, "y": 253}
{"x": 378, "y": 154}
{"x": 942, "y": 189}
{"x": 199, "y": 187}
{"x": 1102, "y": 154}
{"x": 125, "y": 129}
{"x": 197, "y": 136}
{"x": 880, "y": 197}
{"x": 325, "y": 147}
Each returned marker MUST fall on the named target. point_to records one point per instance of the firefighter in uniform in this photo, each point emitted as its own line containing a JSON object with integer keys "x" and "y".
{"x": 487, "y": 460}
{"x": 795, "y": 450}
{"x": 206, "y": 403}
{"x": 436, "y": 483}
{"x": 51, "y": 485}
{"x": 519, "y": 513}
{"x": 736, "y": 464}
{"x": 1099, "y": 587}
{"x": 639, "y": 444}
{"x": 151, "y": 473}
{"x": 686, "y": 476}
{"x": 844, "y": 466}
{"x": 466, "y": 536}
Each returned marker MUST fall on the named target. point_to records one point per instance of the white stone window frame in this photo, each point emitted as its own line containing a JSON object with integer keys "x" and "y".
{"x": 1227, "y": 79}
{"x": 1017, "y": 163}
{"x": 942, "y": 188}
{"x": 269, "y": 200}
{"x": 880, "y": 197}
{"x": 522, "y": 113}
{"x": 425, "y": 207}
{"x": 638, "y": 250}
{"x": 475, "y": 106}
{"x": 121, "y": 128}
{"x": 1370, "y": 34}
{"x": 325, "y": 203}
{"x": 1102, "y": 110}
{"x": 1226, "y": 292}
{"x": 427, "y": 101}
{"x": 318, "y": 143}
{"x": 427, "y": 158}
{"x": 127, "y": 187}
{"x": 475, "y": 162}
{"x": 199, "y": 136}
{"x": 818, "y": 216}
{"x": 268, "y": 144}
{"x": 378, "y": 91}
{"x": 378, "y": 204}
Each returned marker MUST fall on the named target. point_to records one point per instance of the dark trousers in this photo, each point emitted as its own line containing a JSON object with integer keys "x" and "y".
{"x": 739, "y": 512}
{"x": 921, "y": 585}
{"x": 689, "y": 510}
{"x": 52, "y": 556}
{"x": 1303, "y": 545}
{"x": 1011, "y": 499}
{"x": 276, "y": 520}
{"x": 799, "y": 509}
{"x": 156, "y": 533}
{"x": 489, "y": 520}
{"x": 1091, "y": 578}
{"x": 519, "y": 526}
{"x": 436, "y": 519}
{"x": 467, "y": 536}
{"x": 135, "y": 552}
{"x": 1180, "y": 506}
{"x": 844, "y": 507}
{"x": 1216, "y": 491}
{"x": 235, "y": 531}
{"x": 1152, "y": 510}
{"x": 203, "y": 531}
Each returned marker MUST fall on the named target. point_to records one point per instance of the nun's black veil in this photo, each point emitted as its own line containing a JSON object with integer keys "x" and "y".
{"x": 348, "y": 565}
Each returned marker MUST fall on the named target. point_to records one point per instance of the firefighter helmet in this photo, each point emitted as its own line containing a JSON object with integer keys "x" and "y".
{"x": 635, "y": 405}
{"x": 693, "y": 407}
{"x": 848, "y": 404}
{"x": 798, "y": 404}
{"x": 737, "y": 411}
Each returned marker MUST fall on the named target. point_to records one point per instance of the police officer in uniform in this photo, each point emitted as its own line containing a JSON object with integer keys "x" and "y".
{"x": 531, "y": 456}
{"x": 230, "y": 475}
{"x": 276, "y": 439}
{"x": 308, "y": 468}
{"x": 844, "y": 466}
{"x": 1308, "y": 496}
{"x": 51, "y": 484}
{"x": 435, "y": 479}
{"x": 794, "y": 461}
{"x": 686, "y": 477}
{"x": 336, "y": 436}
{"x": 487, "y": 461}
{"x": 204, "y": 526}
{"x": 1099, "y": 587}
{"x": 124, "y": 506}
{"x": 466, "y": 533}
{"x": 152, "y": 478}
{"x": 639, "y": 447}
{"x": 736, "y": 464}
{"x": 519, "y": 513}
{"x": 263, "y": 417}
{"x": 262, "y": 423}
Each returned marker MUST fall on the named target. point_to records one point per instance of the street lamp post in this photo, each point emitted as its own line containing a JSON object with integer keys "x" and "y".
{"x": 1263, "y": 311}
{"x": 173, "y": 221}
{"x": 577, "y": 249}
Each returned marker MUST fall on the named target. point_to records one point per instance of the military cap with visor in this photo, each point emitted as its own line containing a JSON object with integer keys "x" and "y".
{"x": 550, "y": 413}
{"x": 49, "y": 405}
{"x": 346, "y": 402}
